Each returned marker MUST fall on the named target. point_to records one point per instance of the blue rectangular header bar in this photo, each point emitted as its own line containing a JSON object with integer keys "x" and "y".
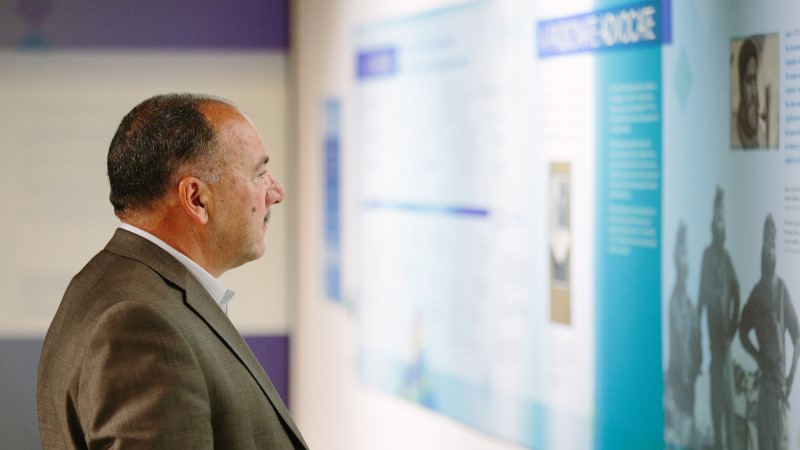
{"x": 377, "y": 63}
{"x": 628, "y": 26}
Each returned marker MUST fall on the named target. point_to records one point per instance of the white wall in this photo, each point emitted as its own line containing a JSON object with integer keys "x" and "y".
{"x": 335, "y": 411}
{"x": 58, "y": 111}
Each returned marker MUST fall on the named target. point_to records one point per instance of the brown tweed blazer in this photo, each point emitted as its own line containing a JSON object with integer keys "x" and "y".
{"x": 140, "y": 356}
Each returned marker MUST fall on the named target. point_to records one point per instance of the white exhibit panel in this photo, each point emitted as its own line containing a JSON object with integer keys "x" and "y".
{"x": 453, "y": 218}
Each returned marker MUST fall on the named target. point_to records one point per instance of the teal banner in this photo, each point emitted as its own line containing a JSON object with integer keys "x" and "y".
{"x": 628, "y": 253}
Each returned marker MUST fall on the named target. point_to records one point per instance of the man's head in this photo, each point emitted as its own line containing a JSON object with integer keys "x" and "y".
{"x": 156, "y": 141}
{"x": 768, "y": 249}
{"x": 748, "y": 82}
{"x": 193, "y": 171}
{"x": 718, "y": 221}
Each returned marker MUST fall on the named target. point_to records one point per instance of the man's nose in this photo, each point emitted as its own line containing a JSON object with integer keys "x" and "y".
{"x": 275, "y": 192}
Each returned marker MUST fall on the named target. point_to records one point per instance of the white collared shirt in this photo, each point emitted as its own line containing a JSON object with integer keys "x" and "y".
{"x": 215, "y": 288}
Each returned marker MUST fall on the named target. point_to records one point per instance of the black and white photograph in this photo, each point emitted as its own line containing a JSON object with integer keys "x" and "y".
{"x": 754, "y": 92}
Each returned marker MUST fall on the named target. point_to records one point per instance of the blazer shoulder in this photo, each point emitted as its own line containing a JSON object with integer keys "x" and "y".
{"x": 132, "y": 246}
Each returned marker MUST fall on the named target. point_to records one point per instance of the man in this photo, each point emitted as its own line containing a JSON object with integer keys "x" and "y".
{"x": 684, "y": 354}
{"x": 750, "y": 128}
{"x": 770, "y": 313}
{"x": 141, "y": 353}
{"x": 719, "y": 293}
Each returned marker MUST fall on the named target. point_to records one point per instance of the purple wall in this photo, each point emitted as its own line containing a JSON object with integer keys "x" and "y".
{"x": 273, "y": 354}
{"x": 145, "y": 24}
{"x": 19, "y": 361}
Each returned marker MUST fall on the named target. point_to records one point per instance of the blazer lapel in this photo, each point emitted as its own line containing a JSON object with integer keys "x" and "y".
{"x": 200, "y": 301}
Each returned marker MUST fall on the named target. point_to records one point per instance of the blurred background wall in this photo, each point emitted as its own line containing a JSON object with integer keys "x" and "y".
{"x": 69, "y": 71}
{"x": 478, "y": 246}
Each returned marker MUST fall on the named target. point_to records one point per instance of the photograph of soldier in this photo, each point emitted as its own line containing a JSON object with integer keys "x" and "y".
{"x": 770, "y": 314}
{"x": 719, "y": 296}
{"x": 684, "y": 355}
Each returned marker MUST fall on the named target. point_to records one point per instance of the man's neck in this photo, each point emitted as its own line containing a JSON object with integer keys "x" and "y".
{"x": 181, "y": 238}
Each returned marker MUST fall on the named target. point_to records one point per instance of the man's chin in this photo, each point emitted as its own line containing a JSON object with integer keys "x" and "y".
{"x": 259, "y": 250}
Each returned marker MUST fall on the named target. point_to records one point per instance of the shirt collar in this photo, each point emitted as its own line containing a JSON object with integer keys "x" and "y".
{"x": 215, "y": 288}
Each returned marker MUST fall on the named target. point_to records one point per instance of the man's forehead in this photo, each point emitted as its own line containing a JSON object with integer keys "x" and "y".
{"x": 229, "y": 122}
{"x": 226, "y": 118}
{"x": 242, "y": 143}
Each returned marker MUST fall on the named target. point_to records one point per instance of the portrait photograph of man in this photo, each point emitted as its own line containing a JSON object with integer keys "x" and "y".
{"x": 754, "y": 92}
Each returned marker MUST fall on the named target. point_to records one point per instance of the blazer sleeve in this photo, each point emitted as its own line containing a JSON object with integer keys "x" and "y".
{"x": 141, "y": 384}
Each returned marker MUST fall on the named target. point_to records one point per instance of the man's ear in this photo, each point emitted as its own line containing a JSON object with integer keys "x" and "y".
{"x": 195, "y": 199}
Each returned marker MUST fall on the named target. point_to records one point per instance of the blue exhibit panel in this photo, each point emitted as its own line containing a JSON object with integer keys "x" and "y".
{"x": 628, "y": 253}
{"x": 625, "y": 40}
